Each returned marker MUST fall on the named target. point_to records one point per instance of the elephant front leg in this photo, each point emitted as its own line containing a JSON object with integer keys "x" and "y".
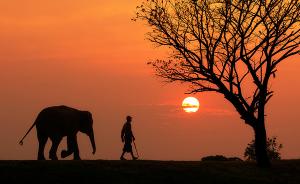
{"x": 76, "y": 150}
{"x": 72, "y": 148}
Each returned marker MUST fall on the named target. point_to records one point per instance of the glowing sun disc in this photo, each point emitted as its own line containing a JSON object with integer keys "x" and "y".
{"x": 190, "y": 104}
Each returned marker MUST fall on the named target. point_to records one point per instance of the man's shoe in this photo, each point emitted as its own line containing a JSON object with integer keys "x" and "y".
{"x": 122, "y": 158}
{"x": 134, "y": 158}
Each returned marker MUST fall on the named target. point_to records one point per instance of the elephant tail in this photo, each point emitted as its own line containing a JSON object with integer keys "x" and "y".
{"x": 21, "y": 141}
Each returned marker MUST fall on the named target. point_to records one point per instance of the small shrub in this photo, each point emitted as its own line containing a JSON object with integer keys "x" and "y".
{"x": 273, "y": 148}
{"x": 220, "y": 158}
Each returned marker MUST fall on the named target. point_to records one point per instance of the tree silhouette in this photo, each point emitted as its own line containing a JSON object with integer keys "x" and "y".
{"x": 232, "y": 47}
{"x": 273, "y": 149}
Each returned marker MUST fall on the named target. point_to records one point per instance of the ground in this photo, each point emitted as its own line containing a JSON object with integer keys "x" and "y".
{"x": 154, "y": 172}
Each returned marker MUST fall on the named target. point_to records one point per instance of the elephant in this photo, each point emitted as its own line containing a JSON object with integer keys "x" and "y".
{"x": 57, "y": 122}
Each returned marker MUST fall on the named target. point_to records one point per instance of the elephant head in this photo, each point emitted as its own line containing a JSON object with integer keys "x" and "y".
{"x": 86, "y": 126}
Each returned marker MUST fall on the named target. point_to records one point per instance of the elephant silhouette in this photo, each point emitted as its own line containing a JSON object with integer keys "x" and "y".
{"x": 57, "y": 122}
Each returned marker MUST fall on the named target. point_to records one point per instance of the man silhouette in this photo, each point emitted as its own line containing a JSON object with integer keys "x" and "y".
{"x": 127, "y": 137}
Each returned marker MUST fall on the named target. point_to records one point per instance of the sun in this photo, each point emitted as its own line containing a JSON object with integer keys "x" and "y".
{"x": 190, "y": 104}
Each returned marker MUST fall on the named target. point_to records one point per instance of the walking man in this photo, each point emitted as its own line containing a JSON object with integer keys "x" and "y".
{"x": 127, "y": 138}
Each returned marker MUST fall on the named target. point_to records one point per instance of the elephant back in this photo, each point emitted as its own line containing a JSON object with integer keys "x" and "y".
{"x": 61, "y": 119}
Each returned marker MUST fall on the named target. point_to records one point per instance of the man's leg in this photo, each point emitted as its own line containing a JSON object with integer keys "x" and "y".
{"x": 122, "y": 156}
{"x": 132, "y": 155}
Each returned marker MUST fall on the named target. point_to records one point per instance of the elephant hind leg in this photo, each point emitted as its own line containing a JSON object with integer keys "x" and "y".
{"x": 42, "y": 142}
{"x": 53, "y": 150}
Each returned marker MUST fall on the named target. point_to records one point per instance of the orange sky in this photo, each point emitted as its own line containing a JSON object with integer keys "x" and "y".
{"x": 90, "y": 55}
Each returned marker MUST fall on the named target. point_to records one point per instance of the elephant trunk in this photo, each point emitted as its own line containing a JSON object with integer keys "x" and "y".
{"x": 92, "y": 139}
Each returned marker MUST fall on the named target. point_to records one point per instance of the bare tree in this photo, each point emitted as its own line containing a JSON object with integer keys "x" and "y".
{"x": 232, "y": 47}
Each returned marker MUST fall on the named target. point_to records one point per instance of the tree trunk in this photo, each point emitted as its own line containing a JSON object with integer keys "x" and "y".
{"x": 262, "y": 158}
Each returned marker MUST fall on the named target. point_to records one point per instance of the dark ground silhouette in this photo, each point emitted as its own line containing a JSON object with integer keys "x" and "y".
{"x": 152, "y": 172}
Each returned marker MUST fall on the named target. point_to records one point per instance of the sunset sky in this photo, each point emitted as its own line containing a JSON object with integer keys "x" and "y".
{"x": 91, "y": 56}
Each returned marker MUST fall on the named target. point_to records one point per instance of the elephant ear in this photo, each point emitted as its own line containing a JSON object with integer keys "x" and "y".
{"x": 89, "y": 117}
{"x": 86, "y": 118}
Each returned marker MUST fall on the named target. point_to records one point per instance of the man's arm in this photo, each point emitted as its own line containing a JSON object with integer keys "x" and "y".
{"x": 122, "y": 133}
